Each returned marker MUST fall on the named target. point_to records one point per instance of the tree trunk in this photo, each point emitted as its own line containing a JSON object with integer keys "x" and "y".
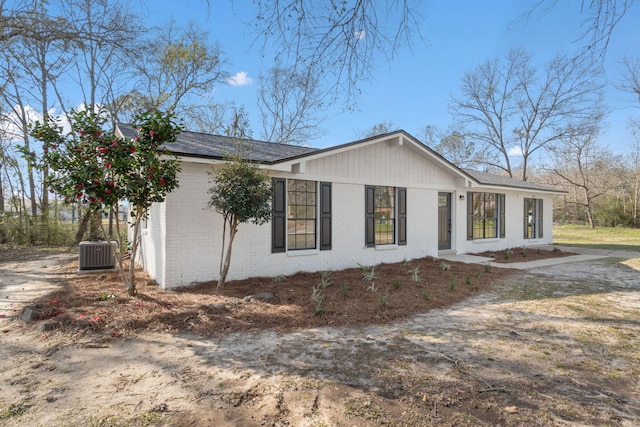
{"x": 82, "y": 228}
{"x": 233, "y": 229}
{"x": 134, "y": 249}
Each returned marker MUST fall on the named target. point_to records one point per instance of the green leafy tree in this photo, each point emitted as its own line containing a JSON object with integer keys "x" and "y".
{"x": 99, "y": 169}
{"x": 241, "y": 193}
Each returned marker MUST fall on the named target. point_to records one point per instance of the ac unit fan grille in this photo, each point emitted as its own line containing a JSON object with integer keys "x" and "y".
{"x": 96, "y": 256}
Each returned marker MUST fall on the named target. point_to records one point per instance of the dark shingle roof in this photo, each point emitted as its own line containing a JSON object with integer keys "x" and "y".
{"x": 194, "y": 144}
{"x": 202, "y": 145}
{"x": 487, "y": 178}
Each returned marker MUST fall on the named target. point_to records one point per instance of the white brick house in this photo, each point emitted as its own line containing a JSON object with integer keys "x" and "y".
{"x": 383, "y": 199}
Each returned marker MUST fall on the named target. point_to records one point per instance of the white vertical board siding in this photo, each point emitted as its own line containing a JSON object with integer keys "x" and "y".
{"x": 381, "y": 164}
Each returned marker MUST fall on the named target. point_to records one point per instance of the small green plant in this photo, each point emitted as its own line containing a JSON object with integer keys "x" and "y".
{"x": 538, "y": 251}
{"x": 424, "y": 293}
{"x": 508, "y": 253}
{"x": 487, "y": 267}
{"x": 105, "y": 296}
{"x": 325, "y": 277}
{"x": 524, "y": 251}
{"x": 445, "y": 266}
{"x": 382, "y": 298}
{"x": 279, "y": 279}
{"x": 369, "y": 275}
{"x": 405, "y": 263}
{"x": 396, "y": 284}
{"x": 415, "y": 274}
{"x": 467, "y": 279}
{"x": 452, "y": 285}
{"x": 12, "y": 410}
{"x": 344, "y": 291}
{"x": 317, "y": 296}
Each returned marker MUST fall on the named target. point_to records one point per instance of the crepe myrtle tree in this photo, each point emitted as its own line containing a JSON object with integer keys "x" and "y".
{"x": 96, "y": 168}
{"x": 241, "y": 193}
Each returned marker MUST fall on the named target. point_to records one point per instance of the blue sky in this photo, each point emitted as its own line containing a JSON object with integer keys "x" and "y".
{"x": 414, "y": 90}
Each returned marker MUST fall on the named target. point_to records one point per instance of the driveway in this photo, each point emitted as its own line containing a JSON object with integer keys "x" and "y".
{"x": 558, "y": 345}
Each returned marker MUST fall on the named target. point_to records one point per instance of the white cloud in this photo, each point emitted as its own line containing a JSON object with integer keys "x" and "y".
{"x": 359, "y": 35}
{"x": 515, "y": 152}
{"x": 240, "y": 79}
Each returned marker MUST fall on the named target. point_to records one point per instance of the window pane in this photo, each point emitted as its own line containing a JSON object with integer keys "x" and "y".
{"x": 484, "y": 216}
{"x": 301, "y": 208}
{"x": 384, "y": 215}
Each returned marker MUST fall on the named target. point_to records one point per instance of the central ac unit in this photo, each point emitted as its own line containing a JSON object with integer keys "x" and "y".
{"x": 96, "y": 256}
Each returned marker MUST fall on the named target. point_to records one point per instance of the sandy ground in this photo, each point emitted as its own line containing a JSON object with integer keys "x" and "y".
{"x": 556, "y": 345}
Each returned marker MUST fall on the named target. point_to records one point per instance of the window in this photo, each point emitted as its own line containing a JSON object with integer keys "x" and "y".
{"x": 532, "y": 218}
{"x": 485, "y": 216}
{"x": 385, "y": 216}
{"x": 301, "y": 214}
{"x": 295, "y": 219}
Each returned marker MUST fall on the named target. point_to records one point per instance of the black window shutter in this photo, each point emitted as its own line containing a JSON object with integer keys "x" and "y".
{"x": 370, "y": 216}
{"x": 278, "y": 215}
{"x": 402, "y": 216}
{"x": 325, "y": 216}
{"x": 470, "y": 216}
{"x": 526, "y": 218}
{"x": 540, "y": 223}
{"x": 501, "y": 199}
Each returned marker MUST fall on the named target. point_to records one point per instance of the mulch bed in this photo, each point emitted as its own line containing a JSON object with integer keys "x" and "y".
{"x": 98, "y": 303}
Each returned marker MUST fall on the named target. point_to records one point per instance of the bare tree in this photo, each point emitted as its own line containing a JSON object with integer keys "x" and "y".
{"x": 102, "y": 60}
{"x": 342, "y": 38}
{"x": 600, "y": 20}
{"x": 290, "y": 103}
{"x": 583, "y": 168}
{"x": 21, "y": 19}
{"x": 175, "y": 64}
{"x": 381, "y": 128}
{"x": 508, "y": 106}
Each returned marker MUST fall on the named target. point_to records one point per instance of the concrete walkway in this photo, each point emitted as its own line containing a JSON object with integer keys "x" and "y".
{"x": 583, "y": 254}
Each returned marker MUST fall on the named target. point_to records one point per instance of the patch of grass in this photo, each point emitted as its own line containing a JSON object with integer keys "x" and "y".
{"x": 396, "y": 284}
{"x": 104, "y": 421}
{"x": 424, "y": 293}
{"x": 452, "y": 285}
{"x": 382, "y": 298}
{"x": 344, "y": 291}
{"x": 467, "y": 279}
{"x": 612, "y": 238}
{"x": 12, "y": 410}
{"x": 280, "y": 278}
{"x": 317, "y": 296}
{"x": 487, "y": 268}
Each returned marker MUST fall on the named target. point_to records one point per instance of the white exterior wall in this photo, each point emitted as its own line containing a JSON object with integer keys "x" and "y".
{"x": 514, "y": 223}
{"x": 192, "y": 235}
{"x": 152, "y": 249}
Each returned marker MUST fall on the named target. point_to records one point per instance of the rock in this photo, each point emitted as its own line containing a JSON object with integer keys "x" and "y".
{"x": 216, "y": 307}
{"x": 262, "y": 296}
{"x": 29, "y": 314}
{"x": 47, "y": 326}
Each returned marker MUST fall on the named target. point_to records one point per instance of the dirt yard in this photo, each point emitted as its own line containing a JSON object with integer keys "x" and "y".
{"x": 410, "y": 344}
